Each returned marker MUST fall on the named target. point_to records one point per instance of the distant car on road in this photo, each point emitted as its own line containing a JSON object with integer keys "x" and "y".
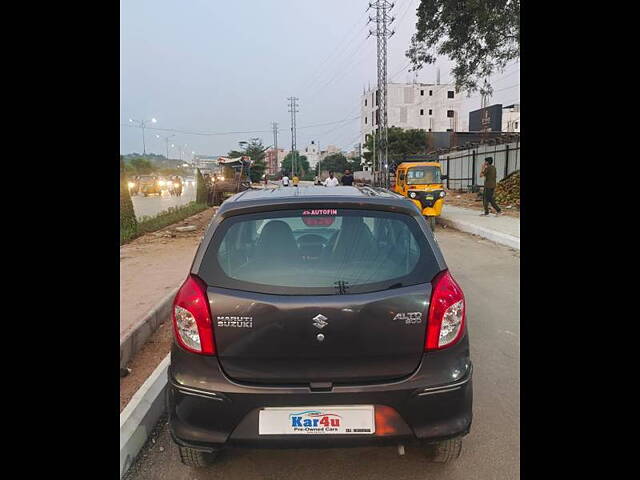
{"x": 133, "y": 185}
{"x": 150, "y": 184}
{"x": 317, "y": 317}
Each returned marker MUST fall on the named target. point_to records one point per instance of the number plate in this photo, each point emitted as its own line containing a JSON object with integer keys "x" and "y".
{"x": 345, "y": 420}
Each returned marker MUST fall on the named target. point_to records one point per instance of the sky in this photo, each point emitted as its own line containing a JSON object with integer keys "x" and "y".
{"x": 220, "y": 66}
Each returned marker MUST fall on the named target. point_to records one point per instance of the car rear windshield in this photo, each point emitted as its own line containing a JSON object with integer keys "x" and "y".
{"x": 318, "y": 252}
{"x": 423, "y": 175}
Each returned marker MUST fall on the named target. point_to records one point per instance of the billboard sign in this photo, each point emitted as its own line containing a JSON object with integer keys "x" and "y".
{"x": 488, "y": 119}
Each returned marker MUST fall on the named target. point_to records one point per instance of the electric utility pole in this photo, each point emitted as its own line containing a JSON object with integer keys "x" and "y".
{"x": 382, "y": 33}
{"x": 293, "y": 108}
{"x": 166, "y": 140}
{"x": 275, "y": 142}
{"x": 142, "y": 124}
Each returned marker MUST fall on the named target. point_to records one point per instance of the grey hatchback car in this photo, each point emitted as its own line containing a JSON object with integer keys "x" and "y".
{"x": 319, "y": 317}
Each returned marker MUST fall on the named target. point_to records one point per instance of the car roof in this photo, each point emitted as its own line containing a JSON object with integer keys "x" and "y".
{"x": 317, "y": 195}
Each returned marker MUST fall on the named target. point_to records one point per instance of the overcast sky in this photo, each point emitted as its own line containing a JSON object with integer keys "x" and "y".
{"x": 216, "y": 66}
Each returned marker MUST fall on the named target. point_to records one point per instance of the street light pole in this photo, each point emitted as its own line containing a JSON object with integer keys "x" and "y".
{"x": 166, "y": 140}
{"x": 142, "y": 124}
{"x": 181, "y": 150}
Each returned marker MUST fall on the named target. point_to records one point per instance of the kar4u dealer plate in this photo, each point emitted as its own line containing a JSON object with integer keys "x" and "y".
{"x": 325, "y": 420}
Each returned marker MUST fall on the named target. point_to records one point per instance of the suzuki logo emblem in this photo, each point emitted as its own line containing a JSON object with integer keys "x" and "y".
{"x": 320, "y": 321}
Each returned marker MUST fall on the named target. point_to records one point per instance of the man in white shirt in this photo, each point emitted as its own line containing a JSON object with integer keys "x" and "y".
{"x": 331, "y": 181}
{"x": 285, "y": 180}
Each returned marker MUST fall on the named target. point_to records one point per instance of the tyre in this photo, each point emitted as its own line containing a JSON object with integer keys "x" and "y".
{"x": 196, "y": 458}
{"x": 432, "y": 223}
{"x": 446, "y": 451}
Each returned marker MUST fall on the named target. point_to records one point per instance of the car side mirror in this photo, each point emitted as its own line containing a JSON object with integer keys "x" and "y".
{"x": 444, "y": 177}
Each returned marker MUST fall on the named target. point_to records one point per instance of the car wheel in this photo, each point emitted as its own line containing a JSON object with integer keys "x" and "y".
{"x": 446, "y": 451}
{"x": 196, "y": 458}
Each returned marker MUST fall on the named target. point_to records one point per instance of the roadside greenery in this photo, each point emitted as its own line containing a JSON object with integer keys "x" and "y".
{"x": 480, "y": 38}
{"x": 157, "y": 222}
{"x": 128, "y": 221}
{"x": 138, "y": 164}
{"x": 256, "y": 151}
{"x": 201, "y": 188}
{"x": 302, "y": 164}
{"x": 401, "y": 143}
{"x": 338, "y": 163}
{"x": 141, "y": 166}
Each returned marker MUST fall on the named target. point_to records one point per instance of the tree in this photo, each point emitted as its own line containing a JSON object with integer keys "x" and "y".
{"x": 256, "y": 150}
{"x": 336, "y": 162}
{"x": 201, "y": 188}
{"x": 302, "y": 164}
{"x": 401, "y": 143}
{"x": 128, "y": 223}
{"x": 479, "y": 36}
{"x": 142, "y": 166}
{"x": 355, "y": 164}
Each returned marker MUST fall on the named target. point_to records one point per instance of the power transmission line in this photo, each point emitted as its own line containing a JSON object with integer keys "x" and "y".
{"x": 318, "y": 72}
{"x": 382, "y": 33}
{"x": 293, "y": 108}
{"x": 404, "y": 13}
{"x": 275, "y": 141}
{"x": 191, "y": 132}
{"x": 341, "y": 70}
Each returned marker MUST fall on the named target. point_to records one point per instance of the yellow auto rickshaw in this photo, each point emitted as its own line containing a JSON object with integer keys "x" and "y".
{"x": 421, "y": 182}
{"x": 150, "y": 184}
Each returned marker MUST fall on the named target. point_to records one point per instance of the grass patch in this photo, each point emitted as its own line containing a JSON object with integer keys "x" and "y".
{"x": 158, "y": 222}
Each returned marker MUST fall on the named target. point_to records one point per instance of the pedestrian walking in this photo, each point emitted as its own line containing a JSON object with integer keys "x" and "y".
{"x": 296, "y": 180}
{"x": 285, "y": 180}
{"x": 331, "y": 181}
{"x": 489, "y": 173}
{"x": 347, "y": 178}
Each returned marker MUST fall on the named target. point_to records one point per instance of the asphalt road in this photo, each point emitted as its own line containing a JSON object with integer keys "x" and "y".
{"x": 490, "y": 277}
{"x": 154, "y": 204}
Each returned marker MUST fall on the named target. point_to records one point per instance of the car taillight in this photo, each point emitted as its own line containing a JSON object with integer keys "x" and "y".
{"x": 446, "y": 318}
{"x": 192, "y": 323}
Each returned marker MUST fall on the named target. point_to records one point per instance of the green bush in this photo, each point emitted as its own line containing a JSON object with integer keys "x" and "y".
{"x": 201, "y": 188}
{"x": 163, "y": 219}
{"x": 128, "y": 223}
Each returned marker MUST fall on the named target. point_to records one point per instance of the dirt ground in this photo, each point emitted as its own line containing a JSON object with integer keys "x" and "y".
{"x": 145, "y": 362}
{"x": 150, "y": 267}
{"x": 471, "y": 200}
{"x": 154, "y": 264}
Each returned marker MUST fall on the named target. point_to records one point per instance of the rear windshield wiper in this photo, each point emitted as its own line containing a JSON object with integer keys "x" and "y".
{"x": 341, "y": 286}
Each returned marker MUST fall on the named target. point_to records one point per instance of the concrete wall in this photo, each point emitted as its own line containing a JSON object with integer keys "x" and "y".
{"x": 458, "y": 165}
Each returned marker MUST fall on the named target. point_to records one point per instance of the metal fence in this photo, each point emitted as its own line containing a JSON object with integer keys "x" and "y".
{"x": 462, "y": 167}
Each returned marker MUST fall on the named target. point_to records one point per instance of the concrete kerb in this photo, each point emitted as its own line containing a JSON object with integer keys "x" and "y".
{"x": 498, "y": 237}
{"x": 141, "y": 414}
{"x": 144, "y": 328}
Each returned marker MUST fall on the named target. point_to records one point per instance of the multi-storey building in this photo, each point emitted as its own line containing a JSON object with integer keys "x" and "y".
{"x": 431, "y": 107}
{"x": 511, "y": 118}
{"x": 273, "y": 160}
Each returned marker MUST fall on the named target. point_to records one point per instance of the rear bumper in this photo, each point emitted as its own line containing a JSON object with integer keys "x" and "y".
{"x": 208, "y": 411}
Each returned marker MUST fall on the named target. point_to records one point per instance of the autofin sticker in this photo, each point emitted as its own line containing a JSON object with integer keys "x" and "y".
{"x": 325, "y": 211}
